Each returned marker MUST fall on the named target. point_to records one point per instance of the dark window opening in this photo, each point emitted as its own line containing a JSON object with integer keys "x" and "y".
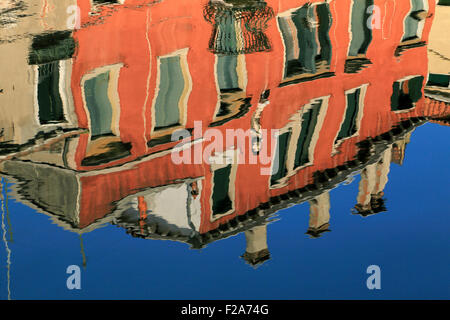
{"x": 349, "y": 126}
{"x": 406, "y": 93}
{"x": 308, "y": 126}
{"x": 49, "y": 97}
{"x": 221, "y": 197}
{"x": 279, "y": 166}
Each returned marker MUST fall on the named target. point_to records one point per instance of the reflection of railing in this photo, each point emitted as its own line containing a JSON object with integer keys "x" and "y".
{"x": 369, "y": 153}
{"x": 239, "y": 29}
{"x": 105, "y": 149}
{"x": 233, "y": 104}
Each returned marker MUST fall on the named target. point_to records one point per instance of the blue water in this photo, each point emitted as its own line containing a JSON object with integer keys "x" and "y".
{"x": 410, "y": 243}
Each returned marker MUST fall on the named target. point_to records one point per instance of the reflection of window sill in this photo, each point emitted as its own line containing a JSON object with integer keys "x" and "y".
{"x": 356, "y": 64}
{"x": 304, "y": 77}
{"x": 158, "y": 140}
{"x": 410, "y": 44}
{"x": 215, "y": 217}
{"x": 238, "y": 105}
{"x": 404, "y": 110}
{"x": 283, "y": 182}
{"x": 359, "y": 56}
{"x": 438, "y": 93}
{"x": 105, "y": 149}
{"x": 338, "y": 143}
{"x": 62, "y": 123}
{"x": 280, "y": 183}
{"x": 166, "y": 131}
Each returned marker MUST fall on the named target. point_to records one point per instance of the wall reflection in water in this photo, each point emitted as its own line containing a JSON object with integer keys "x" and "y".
{"x": 87, "y": 113}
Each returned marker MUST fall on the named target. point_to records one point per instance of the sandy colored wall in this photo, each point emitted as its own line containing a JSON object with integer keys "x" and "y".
{"x": 439, "y": 43}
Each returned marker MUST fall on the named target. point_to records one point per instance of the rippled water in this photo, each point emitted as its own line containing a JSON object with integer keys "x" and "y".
{"x": 224, "y": 149}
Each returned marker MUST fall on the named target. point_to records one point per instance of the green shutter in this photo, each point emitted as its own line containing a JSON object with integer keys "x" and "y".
{"x": 98, "y": 104}
{"x": 226, "y": 32}
{"x": 227, "y": 72}
{"x": 348, "y": 127}
{"x": 412, "y": 24}
{"x": 395, "y": 98}
{"x": 171, "y": 87}
{"x": 325, "y": 21}
{"x": 415, "y": 88}
{"x": 306, "y": 38}
{"x": 314, "y": 42}
{"x": 308, "y": 125}
{"x": 440, "y": 80}
{"x": 403, "y": 101}
{"x": 361, "y": 34}
{"x": 279, "y": 166}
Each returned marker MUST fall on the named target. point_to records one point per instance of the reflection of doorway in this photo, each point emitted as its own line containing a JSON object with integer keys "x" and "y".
{"x": 50, "y": 55}
{"x": 221, "y": 198}
{"x": 48, "y": 93}
{"x": 224, "y": 168}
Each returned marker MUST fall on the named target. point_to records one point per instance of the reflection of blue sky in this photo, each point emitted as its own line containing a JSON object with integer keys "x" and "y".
{"x": 409, "y": 242}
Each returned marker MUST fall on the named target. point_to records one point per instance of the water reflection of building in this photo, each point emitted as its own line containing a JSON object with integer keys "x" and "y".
{"x": 134, "y": 85}
{"x": 35, "y": 94}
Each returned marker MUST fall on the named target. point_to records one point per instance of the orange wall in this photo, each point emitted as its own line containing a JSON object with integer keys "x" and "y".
{"x": 136, "y": 37}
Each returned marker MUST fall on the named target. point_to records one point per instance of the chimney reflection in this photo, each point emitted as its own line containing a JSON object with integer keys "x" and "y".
{"x": 374, "y": 178}
{"x": 319, "y": 215}
{"x": 257, "y": 251}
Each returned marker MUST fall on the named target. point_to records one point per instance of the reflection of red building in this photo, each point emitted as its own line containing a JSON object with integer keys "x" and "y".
{"x": 132, "y": 45}
{"x": 124, "y": 163}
